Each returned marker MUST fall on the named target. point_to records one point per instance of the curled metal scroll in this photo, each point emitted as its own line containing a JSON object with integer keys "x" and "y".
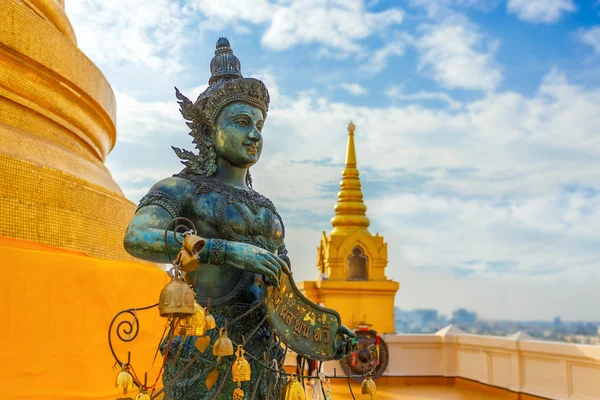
{"x": 125, "y": 330}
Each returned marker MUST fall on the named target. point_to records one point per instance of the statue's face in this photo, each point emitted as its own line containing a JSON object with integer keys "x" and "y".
{"x": 238, "y": 138}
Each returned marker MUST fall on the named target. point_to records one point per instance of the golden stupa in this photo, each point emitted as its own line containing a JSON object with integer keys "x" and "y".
{"x": 352, "y": 261}
{"x": 62, "y": 216}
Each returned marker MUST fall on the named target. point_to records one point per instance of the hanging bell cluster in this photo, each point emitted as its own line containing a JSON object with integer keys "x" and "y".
{"x": 368, "y": 387}
{"x": 177, "y": 298}
{"x": 240, "y": 370}
{"x": 293, "y": 390}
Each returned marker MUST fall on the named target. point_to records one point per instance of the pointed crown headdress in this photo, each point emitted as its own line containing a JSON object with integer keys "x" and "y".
{"x": 226, "y": 85}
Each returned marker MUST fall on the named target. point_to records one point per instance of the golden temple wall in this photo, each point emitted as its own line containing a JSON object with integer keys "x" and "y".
{"x": 57, "y": 125}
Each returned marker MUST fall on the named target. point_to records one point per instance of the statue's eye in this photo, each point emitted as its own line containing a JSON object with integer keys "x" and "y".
{"x": 242, "y": 122}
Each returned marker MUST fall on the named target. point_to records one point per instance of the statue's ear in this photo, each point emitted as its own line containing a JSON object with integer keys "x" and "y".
{"x": 206, "y": 133}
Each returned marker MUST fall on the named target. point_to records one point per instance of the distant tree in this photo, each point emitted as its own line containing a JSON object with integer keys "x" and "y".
{"x": 427, "y": 315}
{"x": 464, "y": 317}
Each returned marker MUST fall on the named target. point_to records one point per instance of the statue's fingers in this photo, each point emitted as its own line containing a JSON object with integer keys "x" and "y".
{"x": 350, "y": 347}
{"x": 280, "y": 263}
{"x": 272, "y": 276}
{"x": 268, "y": 263}
{"x": 347, "y": 331}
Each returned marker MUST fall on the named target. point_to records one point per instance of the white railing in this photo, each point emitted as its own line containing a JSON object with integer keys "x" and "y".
{"x": 517, "y": 363}
{"x": 553, "y": 370}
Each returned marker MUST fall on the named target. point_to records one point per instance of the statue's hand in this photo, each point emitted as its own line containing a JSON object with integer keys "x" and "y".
{"x": 348, "y": 345}
{"x": 254, "y": 259}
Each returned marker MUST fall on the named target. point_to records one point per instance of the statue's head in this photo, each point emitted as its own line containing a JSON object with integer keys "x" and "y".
{"x": 227, "y": 118}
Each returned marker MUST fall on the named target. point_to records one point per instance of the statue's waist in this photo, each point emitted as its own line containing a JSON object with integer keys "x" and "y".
{"x": 225, "y": 285}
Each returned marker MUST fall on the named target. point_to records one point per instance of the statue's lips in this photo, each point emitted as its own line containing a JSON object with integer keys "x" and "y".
{"x": 251, "y": 149}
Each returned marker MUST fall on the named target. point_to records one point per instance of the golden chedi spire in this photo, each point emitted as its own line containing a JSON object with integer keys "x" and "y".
{"x": 350, "y": 210}
{"x": 351, "y": 261}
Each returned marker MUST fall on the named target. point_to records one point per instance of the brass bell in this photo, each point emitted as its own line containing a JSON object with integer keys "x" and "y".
{"x": 188, "y": 257}
{"x": 194, "y": 244}
{"x": 293, "y": 390}
{"x": 368, "y": 387}
{"x": 194, "y": 325}
{"x": 223, "y": 345}
{"x": 143, "y": 395}
{"x": 176, "y": 299}
{"x": 238, "y": 394}
{"x": 124, "y": 380}
{"x": 210, "y": 321}
{"x": 187, "y": 261}
{"x": 240, "y": 370}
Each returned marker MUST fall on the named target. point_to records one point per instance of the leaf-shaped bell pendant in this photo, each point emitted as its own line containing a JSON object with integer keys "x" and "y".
{"x": 293, "y": 390}
{"x": 223, "y": 345}
{"x": 176, "y": 299}
{"x": 143, "y": 395}
{"x": 240, "y": 370}
{"x": 367, "y": 387}
{"x": 124, "y": 380}
{"x": 194, "y": 325}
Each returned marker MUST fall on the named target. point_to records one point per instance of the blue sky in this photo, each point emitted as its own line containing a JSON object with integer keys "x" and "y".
{"x": 477, "y": 130}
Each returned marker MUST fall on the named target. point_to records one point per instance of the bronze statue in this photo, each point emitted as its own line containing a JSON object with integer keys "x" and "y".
{"x": 245, "y": 248}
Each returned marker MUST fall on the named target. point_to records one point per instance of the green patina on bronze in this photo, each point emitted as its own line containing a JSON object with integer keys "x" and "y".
{"x": 245, "y": 253}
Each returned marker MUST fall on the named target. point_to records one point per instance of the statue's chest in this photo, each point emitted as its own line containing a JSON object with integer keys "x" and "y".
{"x": 239, "y": 222}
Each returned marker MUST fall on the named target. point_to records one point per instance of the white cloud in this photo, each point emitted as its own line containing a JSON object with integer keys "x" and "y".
{"x": 591, "y": 37}
{"x": 377, "y": 61}
{"x": 354, "y": 89}
{"x": 152, "y": 33}
{"x": 541, "y": 11}
{"x": 457, "y": 56}
{"x": 223, "y": 12}
{"x": 441, "y": 8}
{"x": 397, "y": 92}
{"x": 143, "y": 32}
{"x": 335, "y": 24}
{"x": 139, "y": 122}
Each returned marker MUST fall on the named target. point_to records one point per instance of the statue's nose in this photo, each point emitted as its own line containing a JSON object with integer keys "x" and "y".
{"x": 254, "y": 135}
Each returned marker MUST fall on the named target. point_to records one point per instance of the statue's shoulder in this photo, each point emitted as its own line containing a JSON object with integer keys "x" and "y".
{"x": 176, "y": 186}
{"x": 169, "y": 193}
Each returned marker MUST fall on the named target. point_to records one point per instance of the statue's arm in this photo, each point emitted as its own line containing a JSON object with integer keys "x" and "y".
{"x": 145, "y": 236}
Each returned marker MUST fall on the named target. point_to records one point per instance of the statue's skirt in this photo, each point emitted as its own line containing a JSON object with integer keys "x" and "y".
{"x": 261, "y": 347}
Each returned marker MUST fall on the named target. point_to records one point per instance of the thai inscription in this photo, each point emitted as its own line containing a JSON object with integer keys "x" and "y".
{"x": 318, "y": 334}
{"x": 304, "y": 326}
